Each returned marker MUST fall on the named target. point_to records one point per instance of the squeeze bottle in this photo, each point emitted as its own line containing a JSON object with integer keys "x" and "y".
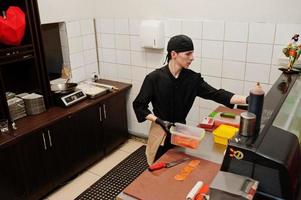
{"x": 256, "y": 104}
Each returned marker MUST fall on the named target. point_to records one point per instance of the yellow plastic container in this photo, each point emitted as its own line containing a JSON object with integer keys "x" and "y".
{"x": 223, "y": 133}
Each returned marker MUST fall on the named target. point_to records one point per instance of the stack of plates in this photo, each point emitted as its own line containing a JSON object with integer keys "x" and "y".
{"x": 10, "y": 95}
{"x": 34, "y": 104}
{"x": 16, "y": 108}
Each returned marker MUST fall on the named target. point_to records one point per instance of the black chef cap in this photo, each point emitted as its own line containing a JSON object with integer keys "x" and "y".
{"x": 179, "y": 43}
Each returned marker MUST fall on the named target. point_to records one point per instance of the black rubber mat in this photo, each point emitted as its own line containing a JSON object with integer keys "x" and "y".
{"x": 116, "y": 180}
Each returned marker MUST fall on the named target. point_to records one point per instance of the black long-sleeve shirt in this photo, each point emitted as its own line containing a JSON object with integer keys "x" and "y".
{"x": 171, "y": 97}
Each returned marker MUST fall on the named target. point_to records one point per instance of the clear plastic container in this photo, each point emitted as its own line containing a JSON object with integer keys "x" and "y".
{"x": 186, "y": 136}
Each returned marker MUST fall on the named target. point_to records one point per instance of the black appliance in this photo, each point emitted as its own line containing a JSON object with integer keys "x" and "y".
{"x": 273, "y": 155}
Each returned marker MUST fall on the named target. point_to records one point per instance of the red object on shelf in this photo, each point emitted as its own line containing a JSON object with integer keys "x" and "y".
{"x": 12, "y": 26}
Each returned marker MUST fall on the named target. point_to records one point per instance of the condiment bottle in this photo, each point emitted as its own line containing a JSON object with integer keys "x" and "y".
{"x": 256, "y": 104}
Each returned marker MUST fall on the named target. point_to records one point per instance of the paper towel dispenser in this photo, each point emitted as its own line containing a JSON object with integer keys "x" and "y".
{"x": 152, "y": 34}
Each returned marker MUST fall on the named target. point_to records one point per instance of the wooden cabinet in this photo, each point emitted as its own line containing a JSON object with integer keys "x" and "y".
{"x": 63, "y": 144}
{"x": 59, "y": 144}
{"x": 22, "y": 67}
{"x": 87, "y": 125}
{"x": 114, "y": 122}
{"x": 11, "y": 181}
{"x": 53, "y": 155}
{"x": 47, "y": 158}
{"x": 34, "y": 155}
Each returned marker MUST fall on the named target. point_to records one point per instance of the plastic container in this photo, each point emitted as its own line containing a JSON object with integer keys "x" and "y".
{"x": 207, "y": 123}
{"x": 220, "y": 119}
{"x": 186, "y": 136}
{"x": 223, "y": 133}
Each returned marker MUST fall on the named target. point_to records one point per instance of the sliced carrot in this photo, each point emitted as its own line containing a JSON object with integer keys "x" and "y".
{"x": 185, "y": 142}
{"x": 187, "y": 170}
{"x": 194, "y": 163}
{"x": 179, "y": 177}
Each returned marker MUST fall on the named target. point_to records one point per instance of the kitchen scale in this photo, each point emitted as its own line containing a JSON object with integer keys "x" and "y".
{"x": 70, "y": 98}
{"x": 83, "y": 90}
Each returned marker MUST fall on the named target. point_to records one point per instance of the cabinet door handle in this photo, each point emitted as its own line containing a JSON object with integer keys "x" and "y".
{"x": 27, "y": 56}
{"x": 49, "y": 137}
{"x": 105, "y": 111}
{"x": 100, "y": 116}
{"x": 45, "y": 147}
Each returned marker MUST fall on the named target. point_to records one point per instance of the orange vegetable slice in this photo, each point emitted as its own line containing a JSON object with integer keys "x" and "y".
{"x": 185, "y": 142}
{"x": 187, "y": 170}
{"x": 194, "y": 163}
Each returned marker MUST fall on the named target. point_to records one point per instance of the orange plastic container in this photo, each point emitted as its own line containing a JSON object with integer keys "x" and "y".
{"x": 186, "y": 136}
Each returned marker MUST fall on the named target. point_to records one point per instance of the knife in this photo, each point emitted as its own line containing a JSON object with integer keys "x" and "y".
{"x": 161, "y": 165}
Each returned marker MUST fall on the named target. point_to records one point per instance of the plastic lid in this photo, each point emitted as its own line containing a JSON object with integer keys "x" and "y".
{"x": 187, "y": 131}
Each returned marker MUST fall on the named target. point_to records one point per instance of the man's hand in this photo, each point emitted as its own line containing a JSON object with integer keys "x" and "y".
{"x": 239, "y": 99}
{"x": 164, "y": 124}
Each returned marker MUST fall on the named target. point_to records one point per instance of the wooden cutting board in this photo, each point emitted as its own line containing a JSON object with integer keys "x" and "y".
{"x": 161, "y": 185}
{"x": 226, "y": 109}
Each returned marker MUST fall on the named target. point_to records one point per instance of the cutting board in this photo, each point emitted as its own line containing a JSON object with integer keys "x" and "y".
{"x": 226, "y": 109}
{"x": 161, "y": 185}
{"x": 220, "y": 109}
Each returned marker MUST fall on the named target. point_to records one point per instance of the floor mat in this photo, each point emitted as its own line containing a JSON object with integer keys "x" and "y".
{"x": 118, "y": 178}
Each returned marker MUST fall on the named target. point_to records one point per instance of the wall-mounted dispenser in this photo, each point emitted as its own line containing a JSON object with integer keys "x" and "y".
{"x": 152, "y": 34}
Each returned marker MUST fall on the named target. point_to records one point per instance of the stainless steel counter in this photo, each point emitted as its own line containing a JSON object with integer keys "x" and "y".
{"x": 207, "y": 150}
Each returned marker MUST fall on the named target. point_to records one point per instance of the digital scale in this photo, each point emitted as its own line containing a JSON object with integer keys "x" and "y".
{"x": 83, "y": 90}
{"x": 70, "y": 99}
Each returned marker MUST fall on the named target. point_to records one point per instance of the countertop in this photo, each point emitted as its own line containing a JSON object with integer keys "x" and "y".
{"x": 33, "y": 123}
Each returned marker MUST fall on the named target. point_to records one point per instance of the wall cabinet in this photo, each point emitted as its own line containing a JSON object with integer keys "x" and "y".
{"x": 22, "y": 67}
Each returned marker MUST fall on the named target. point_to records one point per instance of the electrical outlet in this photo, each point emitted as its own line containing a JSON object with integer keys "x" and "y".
{"x": 95, "y": 76}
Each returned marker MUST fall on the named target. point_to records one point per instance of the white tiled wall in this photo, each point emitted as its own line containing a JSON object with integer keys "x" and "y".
{"x": 79, "y": 48}
{"x": 230, "y": 55}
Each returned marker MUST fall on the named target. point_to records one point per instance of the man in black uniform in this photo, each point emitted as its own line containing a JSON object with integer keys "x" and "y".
{"x": 173, "y": 88}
